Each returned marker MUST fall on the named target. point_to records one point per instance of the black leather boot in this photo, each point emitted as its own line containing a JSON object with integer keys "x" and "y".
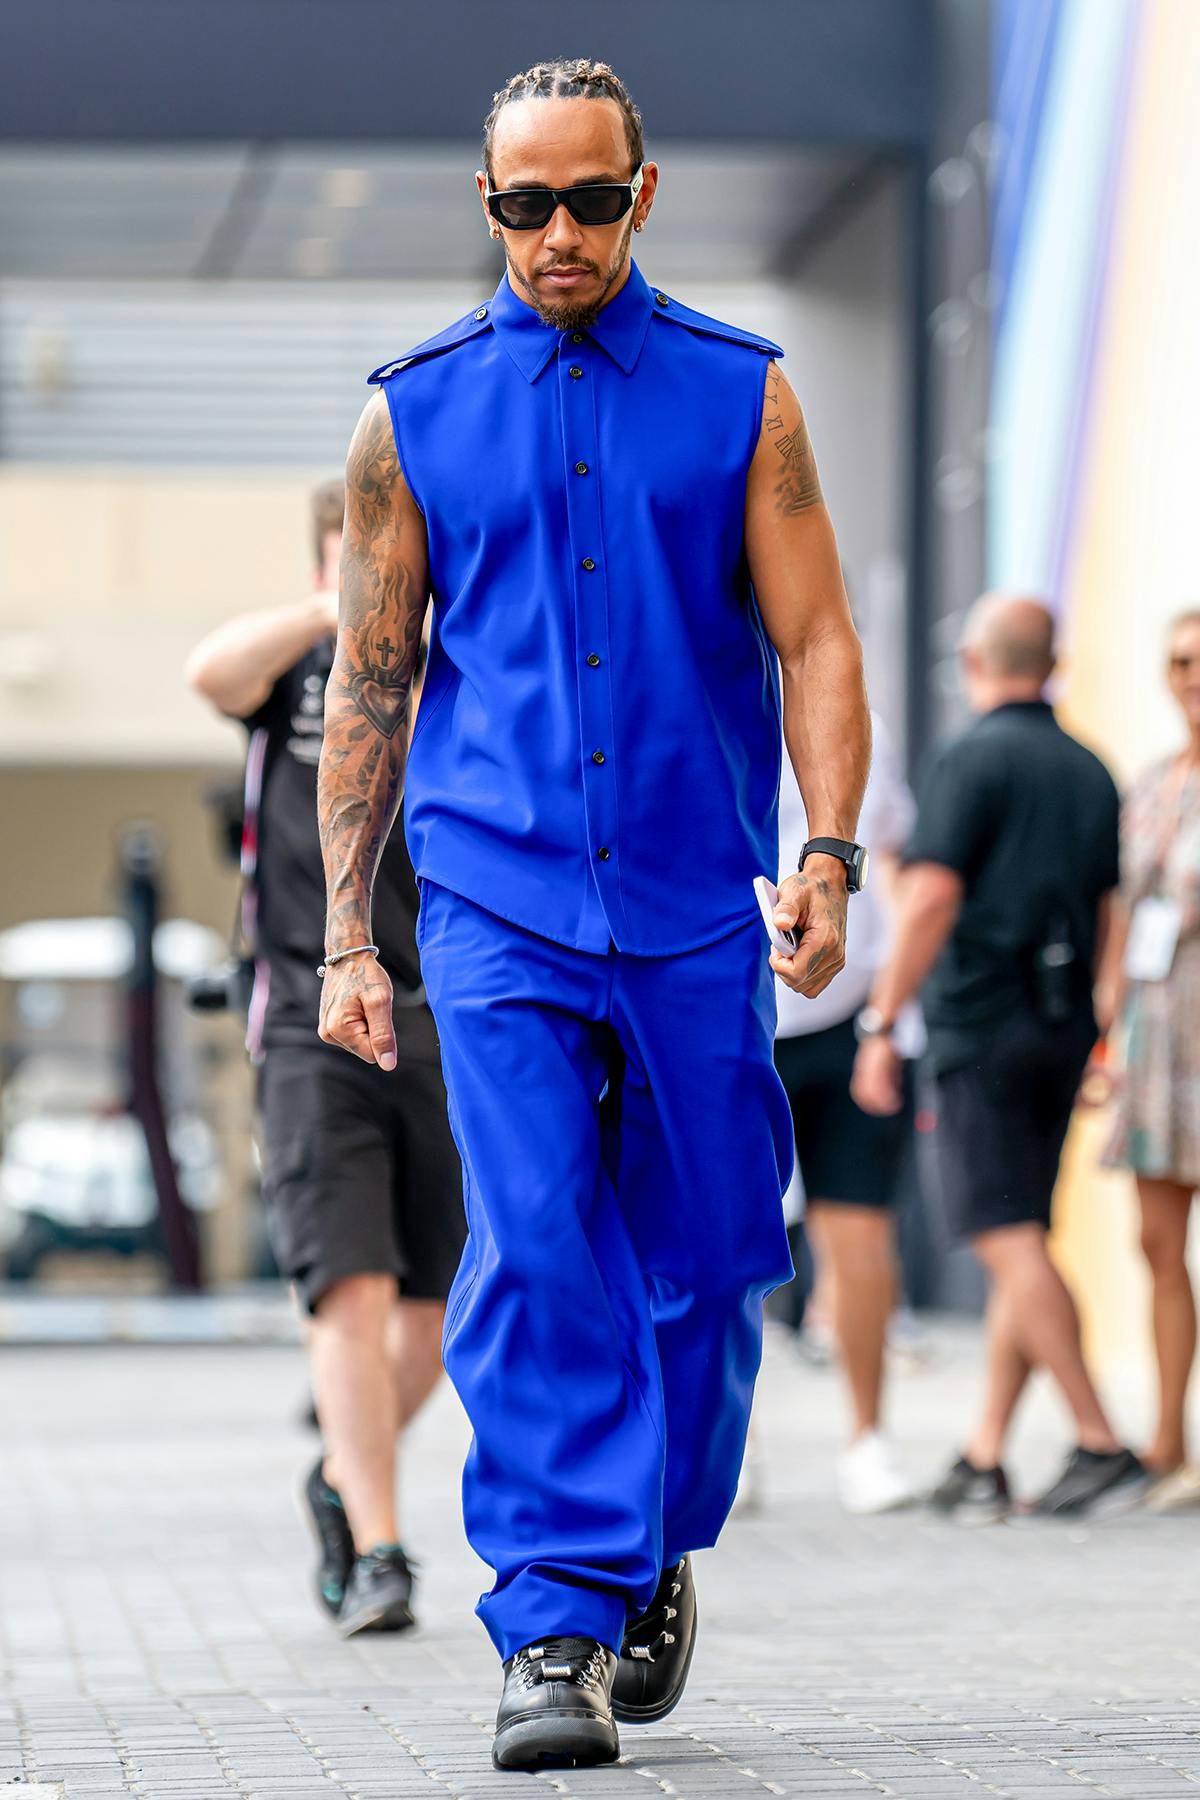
{"x": 657, "y": 1652}
{"x": 556, "y": 1708}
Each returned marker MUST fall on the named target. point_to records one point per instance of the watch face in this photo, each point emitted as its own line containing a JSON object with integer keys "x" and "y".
{"x": 862, "y": 862}
{"x": 867, "y": 1024}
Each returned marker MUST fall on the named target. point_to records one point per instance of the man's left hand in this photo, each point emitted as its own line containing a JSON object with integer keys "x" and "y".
{"x": 876, "y": 1084}
{"x": 812, "y": 905}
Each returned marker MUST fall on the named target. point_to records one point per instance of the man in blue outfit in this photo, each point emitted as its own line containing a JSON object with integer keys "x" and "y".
{"x": 613, "y": 504}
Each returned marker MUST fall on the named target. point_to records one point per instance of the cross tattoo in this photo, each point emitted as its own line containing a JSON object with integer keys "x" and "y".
{"x": 386, "y": 651}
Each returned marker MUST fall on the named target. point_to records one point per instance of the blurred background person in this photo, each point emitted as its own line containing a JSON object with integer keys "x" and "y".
{"x": 848, "y": 1159}
{"x": 361, "y": 1178}
{"x": 1151, "y": 988}
{"x": 1005, "y": 902}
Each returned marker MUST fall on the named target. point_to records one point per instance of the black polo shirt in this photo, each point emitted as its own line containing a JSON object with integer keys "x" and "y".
{"x": 290, "y": 878}
{"x": 1029, "y": 818}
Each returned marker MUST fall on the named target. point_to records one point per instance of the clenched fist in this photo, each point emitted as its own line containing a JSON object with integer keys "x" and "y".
{"x": 356, "y": 1010}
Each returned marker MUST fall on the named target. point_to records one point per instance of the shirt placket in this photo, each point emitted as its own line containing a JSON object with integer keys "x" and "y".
{"x": 577, "y": 369}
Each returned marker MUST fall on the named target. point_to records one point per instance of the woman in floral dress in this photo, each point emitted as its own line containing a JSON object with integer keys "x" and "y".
{"x": 1153, "y": 986}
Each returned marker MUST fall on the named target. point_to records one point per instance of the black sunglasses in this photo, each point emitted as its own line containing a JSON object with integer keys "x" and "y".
{"x": 529, "y": 209}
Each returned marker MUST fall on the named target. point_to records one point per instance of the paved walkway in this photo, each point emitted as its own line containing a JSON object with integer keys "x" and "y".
{"x": 158, "y": 1637}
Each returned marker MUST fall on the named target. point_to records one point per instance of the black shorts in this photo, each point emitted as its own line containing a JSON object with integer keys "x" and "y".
{"x": 1002, "y": 1122}
{"x": 360, "y": 1172}
{"x": 846, "y": 1156}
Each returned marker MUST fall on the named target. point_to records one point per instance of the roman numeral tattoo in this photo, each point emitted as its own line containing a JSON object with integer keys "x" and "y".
{"x": 384, "y": 590}
{"x": 797, "y": 485}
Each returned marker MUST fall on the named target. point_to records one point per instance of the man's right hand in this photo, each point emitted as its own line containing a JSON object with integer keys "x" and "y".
{"x": 356, "y": 1010}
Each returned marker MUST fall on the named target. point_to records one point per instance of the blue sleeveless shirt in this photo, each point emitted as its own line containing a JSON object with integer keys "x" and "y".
{"x": 597, "y": 749}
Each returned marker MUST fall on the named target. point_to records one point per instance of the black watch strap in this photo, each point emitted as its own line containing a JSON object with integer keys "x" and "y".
{"x": 853, "y": 855}
{"x": 829, "y": 847}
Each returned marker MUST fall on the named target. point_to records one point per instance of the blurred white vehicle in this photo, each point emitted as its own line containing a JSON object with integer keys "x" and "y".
{"x": 74, "y": 1168}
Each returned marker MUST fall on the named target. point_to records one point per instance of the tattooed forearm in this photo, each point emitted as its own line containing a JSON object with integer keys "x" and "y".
{"x": 384, "y": 588}
{"x": 797, "y": 485}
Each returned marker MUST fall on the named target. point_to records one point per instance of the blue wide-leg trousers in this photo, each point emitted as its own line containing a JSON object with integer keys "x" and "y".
{"x": 625, "y": 1145}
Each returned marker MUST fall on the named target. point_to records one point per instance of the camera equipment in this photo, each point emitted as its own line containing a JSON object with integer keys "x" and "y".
{"x": 225, "y": 988}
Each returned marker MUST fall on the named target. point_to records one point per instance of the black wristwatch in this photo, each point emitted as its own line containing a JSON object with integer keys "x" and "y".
{"x": 854, "y": 856}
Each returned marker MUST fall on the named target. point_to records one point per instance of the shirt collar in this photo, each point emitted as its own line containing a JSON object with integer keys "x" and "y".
{"x": 619, "y": 328}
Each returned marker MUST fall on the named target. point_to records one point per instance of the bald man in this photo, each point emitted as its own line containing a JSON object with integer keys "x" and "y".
{"x": 1003, "y": 910}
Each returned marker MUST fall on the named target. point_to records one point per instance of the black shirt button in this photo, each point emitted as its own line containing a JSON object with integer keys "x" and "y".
{"x": 597, "y": 756}
{"x": 603, "y": 853}
{"x": 588, "y": 563}
{"x": 593, "y": 661}
{"x": 581, "y": 468}
{"x": 577, "y": 337}
{"x": 576, "y": 371}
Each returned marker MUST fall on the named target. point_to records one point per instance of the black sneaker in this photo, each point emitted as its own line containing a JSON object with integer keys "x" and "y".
{"x": 323, "y": 1512}
{"x": 1095, "y": 1484}
{"x": 972, "y": 1496}
{"x": 657, "y": 1651}
{"x": 556, "y": 1708}
{"x": 378, "y": 1593}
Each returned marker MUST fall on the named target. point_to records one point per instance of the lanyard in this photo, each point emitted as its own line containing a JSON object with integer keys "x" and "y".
{"x": 256, "y": 757}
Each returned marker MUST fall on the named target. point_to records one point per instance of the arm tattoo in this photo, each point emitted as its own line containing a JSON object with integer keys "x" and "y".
{"x": 368, "y": 696}
{"x": 797, "y": 486}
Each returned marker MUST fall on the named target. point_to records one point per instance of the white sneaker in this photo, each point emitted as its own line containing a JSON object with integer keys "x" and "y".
{"x": 870, "y": 1480}
{"x": 909, "y": 1344}
{"x": 814, "y": 1344}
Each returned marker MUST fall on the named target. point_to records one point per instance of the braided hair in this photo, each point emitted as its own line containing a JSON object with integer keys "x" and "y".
{"x": 567, "y": 78}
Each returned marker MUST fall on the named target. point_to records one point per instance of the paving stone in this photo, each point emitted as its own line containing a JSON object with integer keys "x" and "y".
{"x": 164, "y": 1645}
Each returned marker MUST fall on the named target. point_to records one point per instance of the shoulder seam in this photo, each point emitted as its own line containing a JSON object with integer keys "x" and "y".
{"x": 704, "y": 326}
{"x": 461, "y": 331}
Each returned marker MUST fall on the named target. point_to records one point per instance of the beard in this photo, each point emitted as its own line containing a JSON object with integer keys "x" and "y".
{"x": 573, "y": 315}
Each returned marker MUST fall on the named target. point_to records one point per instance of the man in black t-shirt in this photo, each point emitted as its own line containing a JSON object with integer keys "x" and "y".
{"x": 1004, "y": 905}
{"x": 362, "y": 1181}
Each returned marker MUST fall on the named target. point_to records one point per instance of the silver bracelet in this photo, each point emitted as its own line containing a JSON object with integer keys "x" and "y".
{"x": 335, "y": 956}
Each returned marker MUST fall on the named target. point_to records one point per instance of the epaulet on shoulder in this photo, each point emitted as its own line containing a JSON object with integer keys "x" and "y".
{"x": 462, "y": 330}
{"x": 667, "y": 308}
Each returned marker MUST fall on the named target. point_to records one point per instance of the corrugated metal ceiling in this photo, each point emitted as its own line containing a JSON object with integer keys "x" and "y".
{"x": 355, "y": 212}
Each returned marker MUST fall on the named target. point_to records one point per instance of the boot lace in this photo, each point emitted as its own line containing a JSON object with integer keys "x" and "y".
{"x": 581, "y": 1661}
{"x": 652, "y": 1633}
